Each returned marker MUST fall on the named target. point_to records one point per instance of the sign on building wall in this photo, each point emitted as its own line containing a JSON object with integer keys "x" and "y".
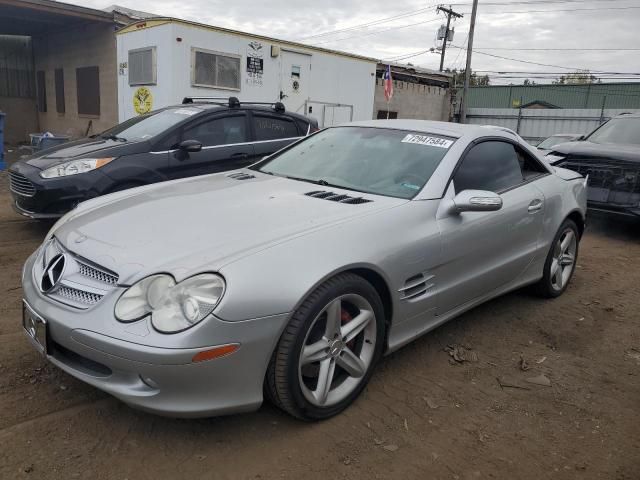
{"x": 255, "y": 63}
{"x": 142, "y": 100}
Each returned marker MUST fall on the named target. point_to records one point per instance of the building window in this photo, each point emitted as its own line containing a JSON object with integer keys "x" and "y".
{"x": 88, "y": 90}
{"x": 142, "y": 66}
{"x": 41, "y": 89}
{"x": 217, "y": 70}
{"x": 59, "y": 76}
{"x": 382, "y": 115}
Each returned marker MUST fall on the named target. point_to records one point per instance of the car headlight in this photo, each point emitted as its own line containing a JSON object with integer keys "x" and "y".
{"x": 173, "y": 306}
{"x": 74, "y": 167}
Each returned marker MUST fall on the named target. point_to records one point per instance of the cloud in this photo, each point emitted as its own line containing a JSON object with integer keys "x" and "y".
{"x": 539, "y": 26}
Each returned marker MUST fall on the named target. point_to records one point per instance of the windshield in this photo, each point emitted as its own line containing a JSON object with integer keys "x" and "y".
{"x": 150, "y": 125}
{"x": 551, "y": 141}
{"x": 394, "y": 163}
{"x": 618, "y": 130}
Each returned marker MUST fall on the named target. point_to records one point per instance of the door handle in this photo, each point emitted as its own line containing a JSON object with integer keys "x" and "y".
{"x": 535, "y": 205}
{"x": 240, "y": 155}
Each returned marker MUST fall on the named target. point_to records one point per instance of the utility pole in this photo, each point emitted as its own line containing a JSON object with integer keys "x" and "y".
{"x": 450, "y": 13}
{"x": 467, "y": 70}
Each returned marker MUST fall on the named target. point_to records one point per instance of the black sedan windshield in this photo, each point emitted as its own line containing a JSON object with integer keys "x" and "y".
{"x": 150, "y": 125}
{"x": 618, "y": 130}
{"x": 396, "y": 163}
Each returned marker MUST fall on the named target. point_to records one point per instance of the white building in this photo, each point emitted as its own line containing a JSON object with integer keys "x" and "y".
{"x": 163, "y": 60}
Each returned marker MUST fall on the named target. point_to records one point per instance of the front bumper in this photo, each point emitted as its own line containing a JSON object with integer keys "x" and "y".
{"x": 53, "y": 197}
{"x": 152, "y": 371}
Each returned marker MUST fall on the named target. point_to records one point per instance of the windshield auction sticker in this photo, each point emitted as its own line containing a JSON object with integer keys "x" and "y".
{"x": 427, "y": 140}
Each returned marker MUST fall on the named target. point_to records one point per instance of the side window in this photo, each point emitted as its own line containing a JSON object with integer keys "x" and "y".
{"x": 492, "y": 166}
{"x": 272, "y": 128}
{"x": 529, "y": 167}
{"x": 218, "y": 131}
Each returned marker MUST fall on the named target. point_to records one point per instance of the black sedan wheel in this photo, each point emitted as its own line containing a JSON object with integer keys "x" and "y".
{"x": 326, "y": 354}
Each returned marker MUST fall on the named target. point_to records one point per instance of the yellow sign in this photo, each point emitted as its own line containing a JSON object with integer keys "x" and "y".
{"x": 142, "y": 100}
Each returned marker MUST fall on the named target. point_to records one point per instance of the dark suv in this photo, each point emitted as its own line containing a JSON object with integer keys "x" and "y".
{"x": 610, "y": 157}
{"x": 203, "y": 135}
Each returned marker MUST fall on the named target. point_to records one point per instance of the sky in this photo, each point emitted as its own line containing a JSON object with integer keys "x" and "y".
{"x": 598, "y": 35}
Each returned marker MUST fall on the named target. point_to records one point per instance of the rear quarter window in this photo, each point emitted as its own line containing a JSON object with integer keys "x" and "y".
{"x": 273, "y": 128}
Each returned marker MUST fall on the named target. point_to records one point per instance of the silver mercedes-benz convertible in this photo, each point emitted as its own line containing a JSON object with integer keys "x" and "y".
{"x": 291, "y": 278}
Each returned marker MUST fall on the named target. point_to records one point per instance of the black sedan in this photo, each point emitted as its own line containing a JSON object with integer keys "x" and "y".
{"x": 195, "y": 138}
{"x": 610, "y": 156}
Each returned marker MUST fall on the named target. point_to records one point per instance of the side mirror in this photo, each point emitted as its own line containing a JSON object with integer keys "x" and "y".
{"x": 476, "y": 201}
{"x": 190, "y": 146}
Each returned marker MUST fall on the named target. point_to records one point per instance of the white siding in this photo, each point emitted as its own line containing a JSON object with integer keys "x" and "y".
{"x": 333, "y": 79}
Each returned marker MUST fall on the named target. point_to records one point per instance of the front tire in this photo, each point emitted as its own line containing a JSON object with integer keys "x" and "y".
{"x": 561, "y": 261}
{"x": 329, "y": 349}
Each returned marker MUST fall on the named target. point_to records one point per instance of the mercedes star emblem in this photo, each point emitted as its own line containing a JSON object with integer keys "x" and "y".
{"x": 52, "y": 273}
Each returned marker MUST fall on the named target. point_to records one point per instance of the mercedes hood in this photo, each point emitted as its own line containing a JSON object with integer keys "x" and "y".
{"x": 183, "y": 226}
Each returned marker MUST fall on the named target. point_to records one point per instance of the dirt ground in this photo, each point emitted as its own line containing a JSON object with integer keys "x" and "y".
{"x": 423, "y": 416}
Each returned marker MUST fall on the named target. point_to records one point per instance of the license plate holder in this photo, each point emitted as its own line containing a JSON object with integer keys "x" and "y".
{"x": 35, "y": 328}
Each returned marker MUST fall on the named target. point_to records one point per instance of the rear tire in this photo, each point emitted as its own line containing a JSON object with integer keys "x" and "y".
{"x": 561, "y": 261}
{"x": 329, "y": 349}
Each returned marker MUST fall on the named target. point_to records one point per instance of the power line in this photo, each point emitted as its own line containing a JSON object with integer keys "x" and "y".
{"x": 561, "y": 49}
{"x": 529, "y": 62}
{"x": 534, "y": 2}
{"x": 376, "y": 32}
{"x": 557, "y": 10}
{"x": 409, "y": 55}
{"x": 372, "y": 23}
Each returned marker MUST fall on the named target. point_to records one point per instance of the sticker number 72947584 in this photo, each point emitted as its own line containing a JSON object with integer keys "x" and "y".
{"x": 427, "y": 140}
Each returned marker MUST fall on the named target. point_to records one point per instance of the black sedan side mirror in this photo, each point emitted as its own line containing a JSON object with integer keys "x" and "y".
{"x": 190, "y": 146}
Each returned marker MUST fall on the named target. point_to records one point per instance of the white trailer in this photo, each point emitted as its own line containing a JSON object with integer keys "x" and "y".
{"x": 163, "y": 60}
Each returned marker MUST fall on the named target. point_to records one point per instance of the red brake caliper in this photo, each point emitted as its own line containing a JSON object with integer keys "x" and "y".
{"x": 345, "y": 317}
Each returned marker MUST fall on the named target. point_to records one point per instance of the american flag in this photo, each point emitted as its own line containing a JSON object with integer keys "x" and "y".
{"x": 388, "y": 83}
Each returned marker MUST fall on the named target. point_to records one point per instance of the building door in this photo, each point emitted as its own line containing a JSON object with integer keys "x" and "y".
{"x": 295, "y": 77}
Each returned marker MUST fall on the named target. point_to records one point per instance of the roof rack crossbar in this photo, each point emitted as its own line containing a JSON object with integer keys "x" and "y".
{"x": 233, "y": 102}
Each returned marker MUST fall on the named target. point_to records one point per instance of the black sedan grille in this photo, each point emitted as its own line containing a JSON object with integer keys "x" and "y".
{"x": 21, "y": 185}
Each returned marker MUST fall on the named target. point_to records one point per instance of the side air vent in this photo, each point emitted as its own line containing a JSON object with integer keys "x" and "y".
{"x": 241, "y": 176}
{"x": 336, "y": 197}
{"x": 416, "y": 286}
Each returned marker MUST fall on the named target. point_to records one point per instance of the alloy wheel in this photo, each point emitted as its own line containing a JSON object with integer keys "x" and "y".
{"x": 564, "y": 258}
{"x": 338, "y": 350}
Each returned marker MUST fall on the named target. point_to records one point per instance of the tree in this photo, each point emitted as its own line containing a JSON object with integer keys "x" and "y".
{"x": 581, "y": 77}
{"x": 528, "y": 82}
{"x": 475, "y": 80}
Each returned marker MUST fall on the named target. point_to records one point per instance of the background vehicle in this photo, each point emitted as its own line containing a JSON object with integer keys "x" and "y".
{"x": 610, "y": 156}
{"x": 546, "y": 145}
{"x": 201, "y": 136}
{"x": 295, "y": 275}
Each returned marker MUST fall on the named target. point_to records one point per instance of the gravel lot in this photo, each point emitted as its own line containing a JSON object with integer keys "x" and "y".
{"x": 424, "y": 415}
